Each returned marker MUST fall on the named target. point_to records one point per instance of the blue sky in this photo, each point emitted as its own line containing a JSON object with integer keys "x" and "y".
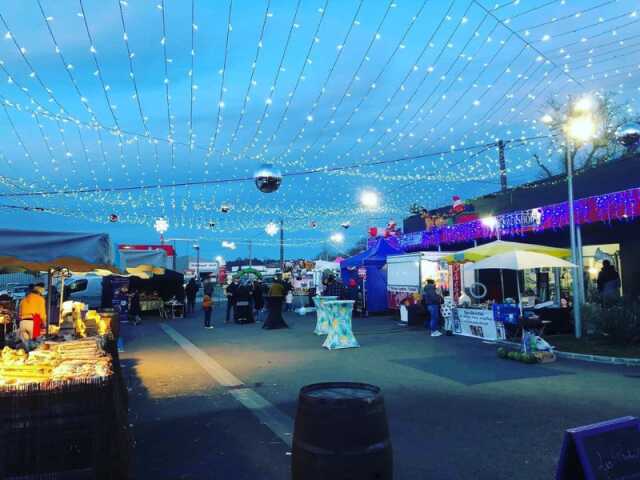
{"x": 430, "y": 79}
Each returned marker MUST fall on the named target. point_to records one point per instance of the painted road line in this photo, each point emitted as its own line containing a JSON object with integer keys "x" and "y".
{"x": 265, "y": 411}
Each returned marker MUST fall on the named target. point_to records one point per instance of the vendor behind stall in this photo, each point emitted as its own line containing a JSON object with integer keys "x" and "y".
{"x": 34, "y": 305}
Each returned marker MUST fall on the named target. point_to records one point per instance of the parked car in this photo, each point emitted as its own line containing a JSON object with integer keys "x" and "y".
{"x": 86, "y": 289}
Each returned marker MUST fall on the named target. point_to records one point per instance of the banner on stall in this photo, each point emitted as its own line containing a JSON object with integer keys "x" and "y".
{"x": 478, "y": 323}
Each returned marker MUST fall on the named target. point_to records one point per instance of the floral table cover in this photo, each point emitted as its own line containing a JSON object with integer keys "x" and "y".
{"x": 340, "y": 334}
{"x": 322, "y": 322}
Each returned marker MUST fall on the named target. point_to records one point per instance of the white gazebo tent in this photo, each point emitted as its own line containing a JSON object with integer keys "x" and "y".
{"x": 522, "y": 260}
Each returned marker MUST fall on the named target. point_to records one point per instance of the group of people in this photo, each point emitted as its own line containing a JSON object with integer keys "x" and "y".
{"x": 248, "y": 296}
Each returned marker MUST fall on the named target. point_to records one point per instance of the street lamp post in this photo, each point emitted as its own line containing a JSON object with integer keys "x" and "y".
{"x": 282, "y": 245}
{"x": 575, "y": 258}
{"x": 197, "y": 248}
{"x": 580, "y": 126}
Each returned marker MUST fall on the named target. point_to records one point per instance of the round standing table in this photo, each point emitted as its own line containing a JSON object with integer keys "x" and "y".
{"x": 340, "y": 334}
{"x": 322, "y": 322}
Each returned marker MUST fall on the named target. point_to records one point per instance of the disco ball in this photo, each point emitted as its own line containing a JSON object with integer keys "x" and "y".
{"x": 225, "y": 208}
{"x": 629, "y": 134}
{"x": 268, "y": 178}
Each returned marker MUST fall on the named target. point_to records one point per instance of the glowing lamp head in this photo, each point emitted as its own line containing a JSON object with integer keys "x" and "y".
{"x": 585, "y": 104}
{"x": 370, "y": 199}
{"x": 582, "y": 128}
{"x": 337, "y": 237}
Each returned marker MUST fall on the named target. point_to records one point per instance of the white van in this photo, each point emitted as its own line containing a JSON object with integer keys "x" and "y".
{"x": 84, "y": 288}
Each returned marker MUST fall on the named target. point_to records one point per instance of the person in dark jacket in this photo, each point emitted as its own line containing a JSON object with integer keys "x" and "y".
{"x": 432, "y": 301}
{"x": 191, "y": 291}
{"x": 134, "y": 308}
{"x": 258, "y": 298}
{"x": 231, "y": 296}
{"x": 608, "y": 283}
{"x": 334, "y": 288}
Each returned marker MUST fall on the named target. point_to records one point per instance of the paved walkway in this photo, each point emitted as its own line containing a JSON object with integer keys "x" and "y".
{"x": 219, "y": 404}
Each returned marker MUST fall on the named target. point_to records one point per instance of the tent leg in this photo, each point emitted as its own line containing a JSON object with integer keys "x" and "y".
{"x": 518, "y": 287}
{"x": 61, "y": 298}
{"x": 49, "y": 299}
{"x": 502, "y": 285}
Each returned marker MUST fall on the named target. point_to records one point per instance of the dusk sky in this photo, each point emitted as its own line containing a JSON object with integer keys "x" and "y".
{"x": 107, "y": 105}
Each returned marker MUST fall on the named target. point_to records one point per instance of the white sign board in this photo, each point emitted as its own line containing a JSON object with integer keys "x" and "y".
{"x": 204, "y": 266}
{"x": 475, "y": 322}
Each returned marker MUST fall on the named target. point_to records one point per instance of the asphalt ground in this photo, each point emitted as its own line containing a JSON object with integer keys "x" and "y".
{"x": 455, "y": 410}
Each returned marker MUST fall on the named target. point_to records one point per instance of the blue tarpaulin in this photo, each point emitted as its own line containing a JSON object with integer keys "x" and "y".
{"x": 37, "y": 250}
{"x": 374, "y": 260}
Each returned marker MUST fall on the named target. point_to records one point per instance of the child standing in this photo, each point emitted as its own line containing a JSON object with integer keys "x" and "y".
{"x": 289, "y": 301}
{"x": 207, "y": 306}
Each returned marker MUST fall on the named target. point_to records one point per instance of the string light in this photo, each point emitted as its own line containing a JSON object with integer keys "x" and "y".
{"x": 363, "y": 93}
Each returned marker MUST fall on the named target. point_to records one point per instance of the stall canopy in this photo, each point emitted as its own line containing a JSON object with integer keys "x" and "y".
{"x": 500, "y": 246}
{"x": 136, "y": 258}
{"x": 521, "y": 260}
{"x": 374, "y": 260}
{"x": 40, "y": 251}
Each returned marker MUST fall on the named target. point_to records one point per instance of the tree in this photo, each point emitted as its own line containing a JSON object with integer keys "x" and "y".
{"x": 610, "y": 116}
{"x": 359, "y": 246}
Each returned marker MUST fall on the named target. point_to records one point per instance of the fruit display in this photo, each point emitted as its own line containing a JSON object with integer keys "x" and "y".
{"x": 529, "y": 358}
{"x": 54, "y": 361}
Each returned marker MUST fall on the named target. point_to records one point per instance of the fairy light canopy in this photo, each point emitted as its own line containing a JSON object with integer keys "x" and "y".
{"x": 167, "y": 109}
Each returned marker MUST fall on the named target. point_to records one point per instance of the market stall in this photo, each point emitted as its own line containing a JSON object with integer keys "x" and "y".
{"x": 60, "y": 381}
{"x": 370, "y": 269}
{"x": 476, "y": 315}
{"x": 407, "y": 274}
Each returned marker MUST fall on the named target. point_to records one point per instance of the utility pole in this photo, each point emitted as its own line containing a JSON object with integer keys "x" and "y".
{"x": 282, "y": 245}
{"x": 250, "y": 253}
{"x": 175, "y": 254}
{"x": 503, "y": 166}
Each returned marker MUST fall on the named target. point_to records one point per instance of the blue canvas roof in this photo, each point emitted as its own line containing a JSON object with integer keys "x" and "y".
{"x": 376, "y": 255}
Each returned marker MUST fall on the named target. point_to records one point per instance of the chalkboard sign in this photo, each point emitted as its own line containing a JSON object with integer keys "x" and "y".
{"x": 603, "y": 451}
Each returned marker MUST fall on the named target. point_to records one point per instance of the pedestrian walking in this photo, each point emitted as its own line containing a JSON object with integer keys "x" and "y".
{"x": 191, "y": 290}
{"x": 207, "y": 307}
{"x": 231, "y": 296}
{"x": 258, "y": 298}
{"x": 134, "y": 307}
{"x": 432, "y": 301}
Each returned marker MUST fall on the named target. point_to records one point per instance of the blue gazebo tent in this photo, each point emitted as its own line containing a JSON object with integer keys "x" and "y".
{"x": 374, "y": 260}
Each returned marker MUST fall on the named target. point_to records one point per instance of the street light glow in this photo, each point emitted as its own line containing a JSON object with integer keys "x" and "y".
{"x": 584, "y": 105}
{"x": 370, "y": 199}
{"x": 581, "y": 128}
{"x": 490, "y": 222}
{"x": 271, "y": 229}
{"x": 229, "y": 245}
{"x": 337, "y": 237}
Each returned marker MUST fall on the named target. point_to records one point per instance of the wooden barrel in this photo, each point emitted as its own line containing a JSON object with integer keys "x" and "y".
{"x": 341, "y": 433}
